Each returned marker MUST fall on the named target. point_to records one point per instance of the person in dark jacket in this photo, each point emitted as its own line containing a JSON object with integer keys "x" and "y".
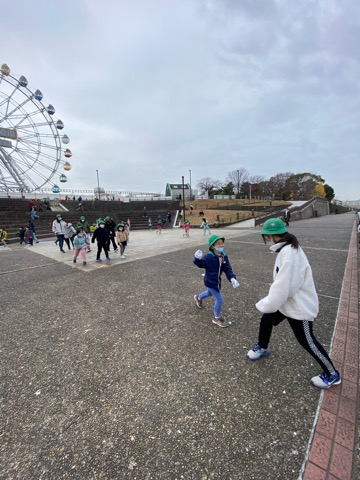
{"x": 21, "y": 235}
{"x": 103, "y": 240}
{"x": 110, "y": 226}
{"x": 215, "y": 263}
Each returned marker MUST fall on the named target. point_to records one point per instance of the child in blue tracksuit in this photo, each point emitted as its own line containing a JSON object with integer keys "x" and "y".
{"x": 215, "y": 263}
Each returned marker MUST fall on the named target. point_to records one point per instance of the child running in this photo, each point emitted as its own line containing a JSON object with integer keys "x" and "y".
{"x": 187, "y": 226}
{"x": 122, "y": 238}
{"x": 103, "y": 240}
{"x": 205, "y": 226}
{"x": 292, "y": 296}
{"x": 215, "y": 263}
{"x": 80, "y": 244}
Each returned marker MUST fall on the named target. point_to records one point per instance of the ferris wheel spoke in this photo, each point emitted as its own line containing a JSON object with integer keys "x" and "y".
{"x": 24, "y": 159}
{"x": 33, "y": 146}
{"x": 16, "y": 108}
{"x": 37, "y": 156}
{"x": 27, "y": 148}
{"x": 12, "y": 169}
{"x": 32, "y": 158}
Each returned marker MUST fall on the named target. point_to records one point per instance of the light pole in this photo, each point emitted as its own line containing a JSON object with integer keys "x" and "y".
{"x": 97, "y": 174}
{"x": 250, "y": 190}
{"x": 190, "y": 185}
{"x": 183, "y": 196}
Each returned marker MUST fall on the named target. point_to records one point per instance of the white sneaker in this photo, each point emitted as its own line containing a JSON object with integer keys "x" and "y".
{"x": 122, "y": 256}
{"x": 326, "y": 381}
{"x": 257, "y": 352}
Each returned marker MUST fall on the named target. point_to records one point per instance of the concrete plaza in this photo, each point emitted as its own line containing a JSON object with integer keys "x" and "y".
{"x": 110, "y": 371}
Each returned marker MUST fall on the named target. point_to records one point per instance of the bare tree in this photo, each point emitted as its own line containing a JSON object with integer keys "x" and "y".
{"x": 237, "y": 178}
{"x": 208, "y": 185}
{"x": 256, "y": 178}
{"x": 278, "y": 186}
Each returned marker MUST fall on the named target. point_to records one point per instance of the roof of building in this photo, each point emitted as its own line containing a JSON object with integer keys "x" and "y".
{"x": 178, "y": 186}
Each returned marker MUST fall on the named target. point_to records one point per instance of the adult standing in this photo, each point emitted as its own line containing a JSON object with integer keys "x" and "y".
{"x": 59, "y": 228}
{"x": 287, "y": 216}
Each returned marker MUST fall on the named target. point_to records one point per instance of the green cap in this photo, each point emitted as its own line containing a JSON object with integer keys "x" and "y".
{"x": 58, "y": 215}
{"x": 273, "y": 226}
{"x": 213, "y": 239}
{"x": 101, "y": 221}
{"x": 82, "y": 218}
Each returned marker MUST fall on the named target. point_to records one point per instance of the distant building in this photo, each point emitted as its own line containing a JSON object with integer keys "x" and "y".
{"x": 350, "y": 203}
{"x": 175, "y": 191}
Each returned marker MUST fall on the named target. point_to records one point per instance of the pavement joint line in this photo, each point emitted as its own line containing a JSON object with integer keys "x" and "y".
{"x": 29, "y": 268}
{"x": 328, "y": 296}
{"x": 326, "y": 249}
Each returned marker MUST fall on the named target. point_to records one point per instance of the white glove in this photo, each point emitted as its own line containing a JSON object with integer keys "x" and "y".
{"x": 199, "y": 254}
{"x": 234, "y": 283}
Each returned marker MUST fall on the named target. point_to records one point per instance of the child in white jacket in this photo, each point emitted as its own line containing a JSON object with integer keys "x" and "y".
{"x": 293, "y": 296}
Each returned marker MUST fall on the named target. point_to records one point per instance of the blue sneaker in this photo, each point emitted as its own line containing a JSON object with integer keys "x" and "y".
{"x": 98, "y": 260}
{"x": 325, "y": 380}
{"x": 257, "y": 352}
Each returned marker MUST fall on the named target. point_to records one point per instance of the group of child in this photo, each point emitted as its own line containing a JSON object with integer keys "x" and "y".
{"x": 187, "y": 226}
{"x": 105, "y": 232}
{"x": 27, "y": 234}
{"x": 291, "y": 296}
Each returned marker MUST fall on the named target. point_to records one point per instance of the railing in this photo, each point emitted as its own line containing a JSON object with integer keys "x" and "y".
{"x": 109, "y": 195}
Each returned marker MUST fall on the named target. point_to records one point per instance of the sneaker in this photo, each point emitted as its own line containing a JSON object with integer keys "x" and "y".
{"x": 197, "y": 301}
{"x": 326, "y": 381}
{"x": 84, "y": 263}
{"x": 116, "y": 249}
{"x": 62, "y": 251}
{"x": 220, "y": 322}
{"x": 108, "y": 258}
{"x": 74, "y": 260}
{"x": 122, "y": 256}
{"x": 98, "y": 260}
{"x": 257, "y": 352}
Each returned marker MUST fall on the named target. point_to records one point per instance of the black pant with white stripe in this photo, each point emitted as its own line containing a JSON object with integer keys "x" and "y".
{"x": 303, "y": 331}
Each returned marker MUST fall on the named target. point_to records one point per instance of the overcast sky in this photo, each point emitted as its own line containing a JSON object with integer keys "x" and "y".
{"x": 150, "y": 89}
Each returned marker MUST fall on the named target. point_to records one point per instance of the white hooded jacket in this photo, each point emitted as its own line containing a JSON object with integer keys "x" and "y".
{"x": 59, "y": 227}
{"x": 293, "y": 291}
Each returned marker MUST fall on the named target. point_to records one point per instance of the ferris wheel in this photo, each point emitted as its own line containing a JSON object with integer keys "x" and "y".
{"x": 31, "y": 148}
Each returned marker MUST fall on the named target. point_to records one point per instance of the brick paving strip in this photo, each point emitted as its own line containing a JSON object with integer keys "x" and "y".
{"x": 332, "y": 448}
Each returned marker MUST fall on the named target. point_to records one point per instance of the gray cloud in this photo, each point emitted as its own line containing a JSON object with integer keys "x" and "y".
{"x": 149, "y": 90}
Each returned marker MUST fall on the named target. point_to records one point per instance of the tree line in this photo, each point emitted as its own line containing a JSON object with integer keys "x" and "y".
{"x": 282, "y": 186}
